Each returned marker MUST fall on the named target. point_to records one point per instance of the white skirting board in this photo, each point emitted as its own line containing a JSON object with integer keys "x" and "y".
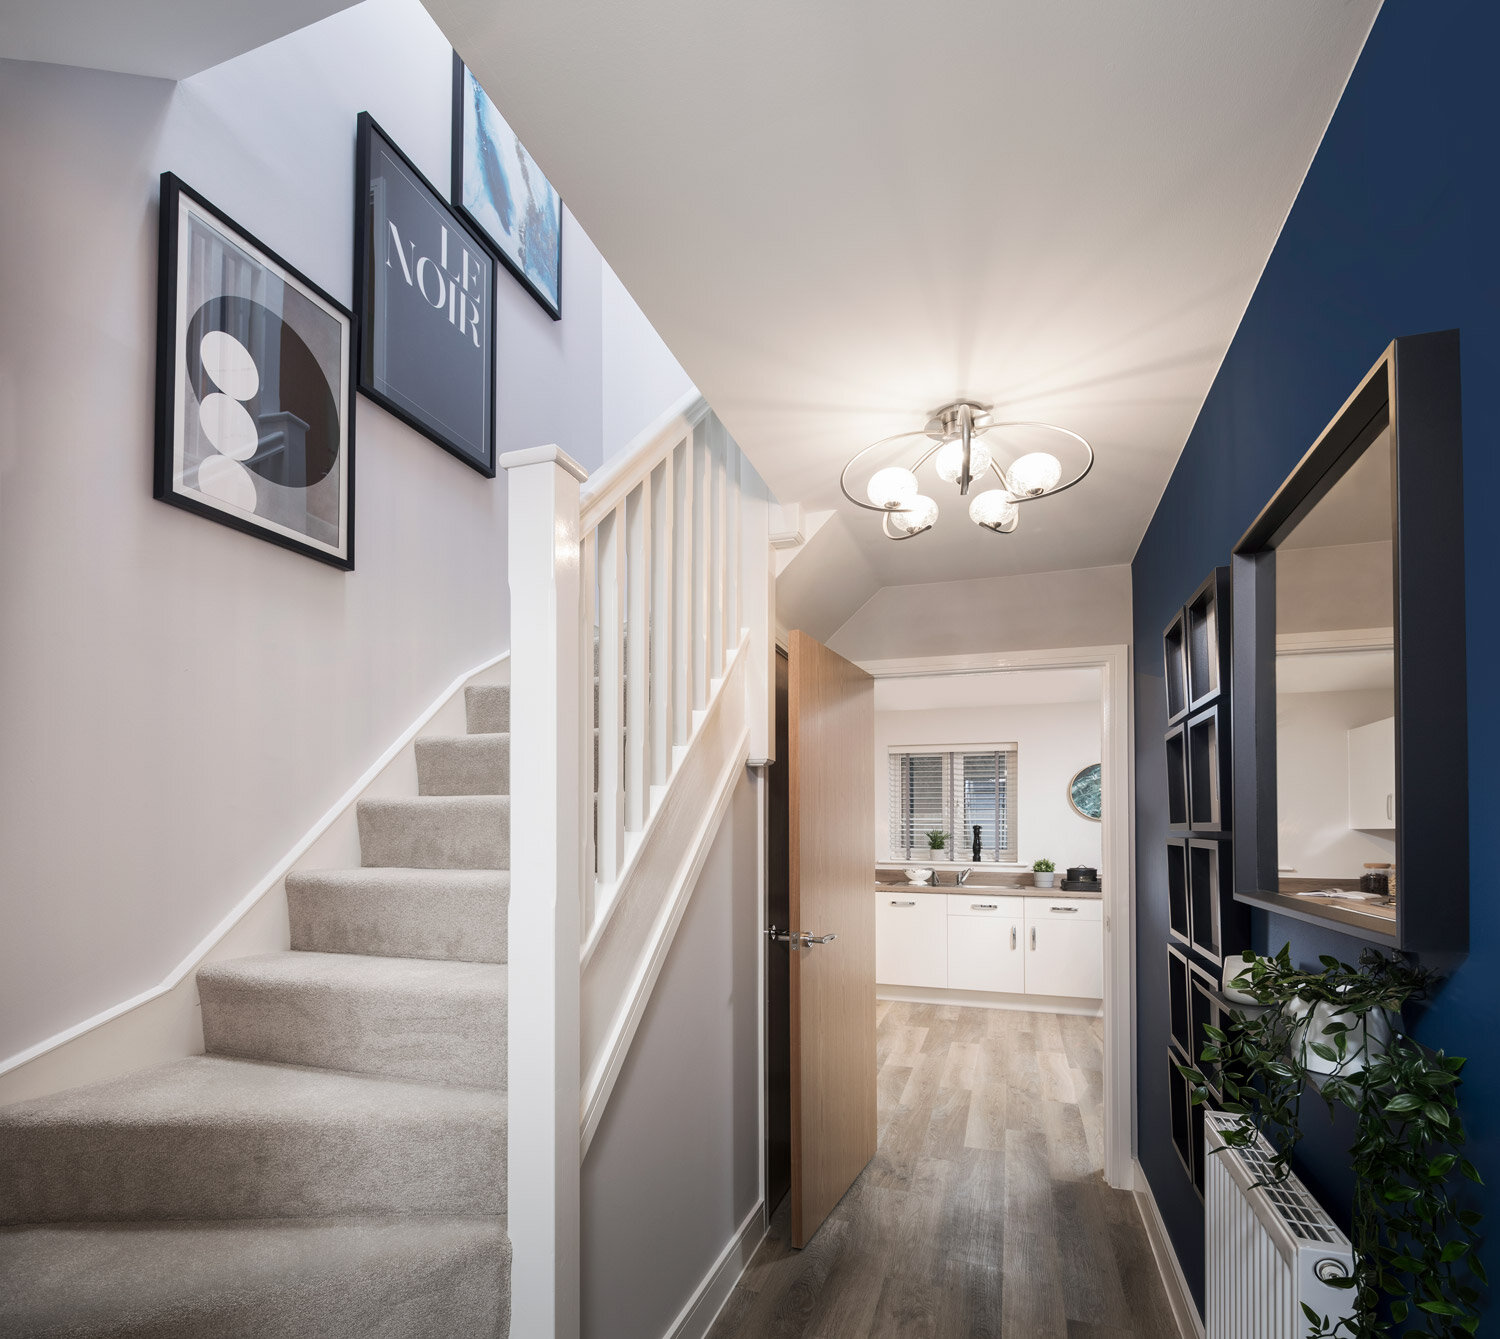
{"x": 703, "y": 1307}
{"x": 1179, "y": 1295}
{"x": 985, "y": 999}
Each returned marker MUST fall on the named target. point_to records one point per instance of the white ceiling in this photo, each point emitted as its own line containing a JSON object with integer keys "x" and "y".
{"x": 1008, "y": 688}
{"x": 1336, "y": 671}
{"x": 840, "y": 216}
{"x": 168, "y": 39}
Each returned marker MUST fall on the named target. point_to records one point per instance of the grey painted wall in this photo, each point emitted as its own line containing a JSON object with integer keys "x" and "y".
{"x": 675, "y": 1165}
{"x": 180, "y": 702}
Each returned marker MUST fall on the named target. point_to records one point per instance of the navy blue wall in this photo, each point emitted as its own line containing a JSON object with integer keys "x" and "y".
{"x": 1396, "y": 231}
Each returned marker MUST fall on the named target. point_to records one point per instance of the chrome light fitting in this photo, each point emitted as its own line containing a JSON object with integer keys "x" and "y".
{"x": 951, "y": 441}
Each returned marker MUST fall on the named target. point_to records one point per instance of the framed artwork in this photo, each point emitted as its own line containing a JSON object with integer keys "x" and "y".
{"x": 254, "y": 386}
{"x": 1085, "y": 793}
{"x": 500, "y": 189}
{"x": 424, "y": 291}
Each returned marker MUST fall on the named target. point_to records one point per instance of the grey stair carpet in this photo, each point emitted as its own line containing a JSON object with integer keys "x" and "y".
{"x": 401, "y": 913}
{"x": 435, "y": 832}
{"x": 487, "y": 709}
{"x": 334, "y": 1167}
{"x": 383, "y": 1278}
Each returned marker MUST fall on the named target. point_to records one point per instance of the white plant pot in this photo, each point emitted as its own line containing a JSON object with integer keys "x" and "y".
{"x": 1044, "y": 880}
{"x": 1362, "y": 1044}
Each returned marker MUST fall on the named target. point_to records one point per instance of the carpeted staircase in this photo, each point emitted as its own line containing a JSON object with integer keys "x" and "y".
{"x": 335, "y": 1164}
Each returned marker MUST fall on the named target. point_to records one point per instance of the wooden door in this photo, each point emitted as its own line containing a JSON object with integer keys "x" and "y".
{"x": 831, "y": 715}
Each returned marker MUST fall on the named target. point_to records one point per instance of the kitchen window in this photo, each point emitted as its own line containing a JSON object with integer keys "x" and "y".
{"x": 953, "y": 791}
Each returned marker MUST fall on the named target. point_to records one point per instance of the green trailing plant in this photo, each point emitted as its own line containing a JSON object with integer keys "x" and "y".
{"x": 1416, "y": 1271}
{"x": 1042, "y": 867}
{"x": 936, "y": 840}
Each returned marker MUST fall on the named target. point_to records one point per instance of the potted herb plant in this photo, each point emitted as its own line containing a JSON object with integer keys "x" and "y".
{"x": 936, "y": 841}
{"x": 1043, "y": 872}
{"x": 1415, "y": 1268}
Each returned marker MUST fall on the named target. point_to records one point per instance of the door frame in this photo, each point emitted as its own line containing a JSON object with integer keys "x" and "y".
{"x": 1118, "y": 859}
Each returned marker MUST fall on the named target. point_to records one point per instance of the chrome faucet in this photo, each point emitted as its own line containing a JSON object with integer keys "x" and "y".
{"x": 962, "y": 877}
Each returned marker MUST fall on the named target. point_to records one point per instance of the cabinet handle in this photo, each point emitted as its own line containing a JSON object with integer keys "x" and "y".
{"x": 1012, "y": 938}
{"x": 1062, "y": 908}
{"x": 984, "y": 906}
{"x": 902, "y": 904}
{"x": 1389, "y": 804}
{"x": 1033, "y": 937}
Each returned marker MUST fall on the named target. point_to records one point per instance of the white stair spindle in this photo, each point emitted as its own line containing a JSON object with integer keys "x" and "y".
{"x": 611, "y": 695}
{"x": 663, "y": 619}
{"x": 702, "y": 544}
{"x": 584, "y": 699}
{"x": 732, "y": 555}
{"x": 683, "y": 477}
{"x": 716, "y": 625}
{"x": 638, "y": 657}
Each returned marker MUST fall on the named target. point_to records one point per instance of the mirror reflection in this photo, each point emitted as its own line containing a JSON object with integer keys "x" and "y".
{"x": 1335, "y": 693}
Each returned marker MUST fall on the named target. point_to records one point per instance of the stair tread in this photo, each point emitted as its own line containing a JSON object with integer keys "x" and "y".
{"x": 433, "y": 880}
{"x": 289, "y": 1277}
{"x": 360, "y": 972}
{"x": 435, "y": 831}
{"x": 207, "y": 1088}
{"x": 216, "y": 1138}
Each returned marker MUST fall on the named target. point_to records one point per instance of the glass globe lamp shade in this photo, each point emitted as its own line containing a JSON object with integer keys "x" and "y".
{"x": 891, "y": 488}
{"x": 1032, "y": 474}
{"x": 919, "y": 516}
{"x": 992, "y": 507}
{"x": 949, "y": 460}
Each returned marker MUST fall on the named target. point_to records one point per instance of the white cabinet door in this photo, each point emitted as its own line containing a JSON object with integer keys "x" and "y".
{"x": 911, "y": 939}
{"x": 1064, "y": 956}
{"x": 986, "y": 953}
{"x": 1372, "y": 775}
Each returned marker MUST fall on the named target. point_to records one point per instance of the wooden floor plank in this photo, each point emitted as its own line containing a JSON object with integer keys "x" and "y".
{"x": 984, "y": 1214}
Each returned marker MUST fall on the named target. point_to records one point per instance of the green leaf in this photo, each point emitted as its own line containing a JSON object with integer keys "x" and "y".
{"x": 1436, "y": 1113}
{"x": 1403, "y": 1102}
{"x": 1453, "y": 1250}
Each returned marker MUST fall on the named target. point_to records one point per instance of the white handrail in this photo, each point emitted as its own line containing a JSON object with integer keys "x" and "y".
{"x": 622, "y": 472}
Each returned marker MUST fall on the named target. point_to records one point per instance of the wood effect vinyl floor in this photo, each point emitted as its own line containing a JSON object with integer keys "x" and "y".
{"x": 984, "y": 1212}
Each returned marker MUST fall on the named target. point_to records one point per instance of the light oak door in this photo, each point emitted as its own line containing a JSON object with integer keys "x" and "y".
{"x": 831, "y": 714}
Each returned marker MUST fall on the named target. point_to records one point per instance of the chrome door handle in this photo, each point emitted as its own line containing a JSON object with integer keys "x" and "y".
{"x": 1033, "y": 937}
{"x": 984, "y": 906}
{"x": 1062, "y": 908}
{"x": 894, "y": 903}
{"x": 797, "y": 940}
{"x": 1389, "y": 805}
{"x": 1013, "y": 937}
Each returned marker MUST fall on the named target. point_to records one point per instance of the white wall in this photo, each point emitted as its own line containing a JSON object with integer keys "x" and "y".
{"x": 1034, "y": 612}
{"x": 1314, "y": 838}
{"x": 1053, "y": 742}
{"x": 640, "y": 375}
{"x": 675, "y": 1165}
{"x": 180, "y": 702}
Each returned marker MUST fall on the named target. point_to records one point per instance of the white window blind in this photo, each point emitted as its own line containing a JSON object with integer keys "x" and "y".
{"x": 953, "y": 791}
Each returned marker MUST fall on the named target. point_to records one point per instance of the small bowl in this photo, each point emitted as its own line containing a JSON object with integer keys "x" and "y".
{"x": 918, "y": 875}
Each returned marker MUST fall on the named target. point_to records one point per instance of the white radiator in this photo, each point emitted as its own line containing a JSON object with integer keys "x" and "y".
{"x": 1269, "y": 1248}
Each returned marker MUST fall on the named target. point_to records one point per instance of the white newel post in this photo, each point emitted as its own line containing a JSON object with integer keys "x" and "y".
{"x": 546, "y": 890}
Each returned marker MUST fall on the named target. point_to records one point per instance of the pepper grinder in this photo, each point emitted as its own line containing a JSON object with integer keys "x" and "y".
{"x": 976, "y": 842}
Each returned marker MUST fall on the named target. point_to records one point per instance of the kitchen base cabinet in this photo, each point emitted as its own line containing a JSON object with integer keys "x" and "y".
{"x": 911, "y": 939}
{"x": 1064, "y": 957}
{"x": 984, "y": 940}
{"x": 986, "y": 954}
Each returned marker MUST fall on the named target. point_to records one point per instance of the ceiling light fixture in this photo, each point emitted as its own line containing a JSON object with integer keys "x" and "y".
{"x": 951, "y": 442}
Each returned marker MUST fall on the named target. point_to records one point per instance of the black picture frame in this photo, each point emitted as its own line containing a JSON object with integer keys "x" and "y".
{"x": 283, "y": 428}
{"x": 408, "y": 363}
{"x": 1414, "y": 390}
{"x": 551, "y": 303}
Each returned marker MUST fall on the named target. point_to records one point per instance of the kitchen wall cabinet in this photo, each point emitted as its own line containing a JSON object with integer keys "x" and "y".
{"x": 978, "y": 940}
{"x": 1372, "y": 775}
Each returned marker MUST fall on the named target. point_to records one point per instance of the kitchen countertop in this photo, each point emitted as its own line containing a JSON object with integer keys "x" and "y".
{"x": 985, "y": 890}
